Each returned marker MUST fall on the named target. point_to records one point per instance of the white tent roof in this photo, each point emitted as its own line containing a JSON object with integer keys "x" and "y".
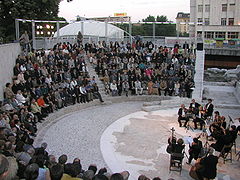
{"x": 90, "y": 28}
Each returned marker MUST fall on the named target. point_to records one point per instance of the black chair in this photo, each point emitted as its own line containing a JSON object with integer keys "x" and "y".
{"x": 176, "y": 162}
{"x": 225, "y": 152}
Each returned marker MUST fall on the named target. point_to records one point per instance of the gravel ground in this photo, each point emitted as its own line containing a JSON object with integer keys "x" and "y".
{"x": 78, "y": 134}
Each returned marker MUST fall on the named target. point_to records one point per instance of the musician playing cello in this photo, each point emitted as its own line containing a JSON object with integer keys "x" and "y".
{"x": 208, "y": 166}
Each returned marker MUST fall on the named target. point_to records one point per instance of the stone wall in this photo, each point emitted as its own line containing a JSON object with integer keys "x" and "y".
{"x": 8, "y": 55}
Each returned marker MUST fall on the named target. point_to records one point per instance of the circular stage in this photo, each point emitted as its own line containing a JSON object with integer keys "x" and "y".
{"x": 122, "y": 137}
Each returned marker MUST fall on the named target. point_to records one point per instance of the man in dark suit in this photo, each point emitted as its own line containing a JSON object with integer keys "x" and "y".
{"x": 209, "y": 169}
{"x": 194, "y": 106}
{"x": 194, "y": 150}
{"x": 182, "y": 115}
{"x": 209, "y": 108}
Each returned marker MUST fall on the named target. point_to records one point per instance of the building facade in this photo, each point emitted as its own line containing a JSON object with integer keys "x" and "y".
{"x": 114, "y": 19}
{"x": 215, "y": 19}
{"x": 182, "y": 23}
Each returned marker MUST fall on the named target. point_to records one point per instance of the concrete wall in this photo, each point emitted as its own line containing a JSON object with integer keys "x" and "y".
{"x": 198, "y": 78}
{"x": 237, "y": 91}
{"x": 223, "y": 51}
{"x": 8, "y": 55}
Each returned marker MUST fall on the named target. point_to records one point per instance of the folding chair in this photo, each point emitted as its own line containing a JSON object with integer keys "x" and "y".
{"x": 226, "y": 151}
{"x": 176, "y": 162}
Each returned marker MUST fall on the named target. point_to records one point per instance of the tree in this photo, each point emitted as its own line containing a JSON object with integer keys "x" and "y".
{"x": 149, "y": 19}
{"x": 25, "y": 9}
{"x": 161, "y": 18}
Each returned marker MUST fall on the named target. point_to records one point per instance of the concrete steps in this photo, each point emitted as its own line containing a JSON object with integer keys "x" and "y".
{"x": 92, "y": 73}
{"x": 174, "y": 102}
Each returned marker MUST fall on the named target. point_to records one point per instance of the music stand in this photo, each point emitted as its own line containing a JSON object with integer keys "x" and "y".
{"x": 189, "y": 116}
{"x": 230, "y": 121}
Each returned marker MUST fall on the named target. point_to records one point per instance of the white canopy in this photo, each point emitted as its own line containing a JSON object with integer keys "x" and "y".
{"x": 91, "y": 28}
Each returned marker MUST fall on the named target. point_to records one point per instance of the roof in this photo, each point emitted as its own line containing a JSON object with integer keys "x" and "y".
{"x": 183, "y": 15}
{"x": 90, "y": 28}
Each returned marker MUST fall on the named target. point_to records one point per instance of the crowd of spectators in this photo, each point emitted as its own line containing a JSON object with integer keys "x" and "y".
{"x": 46, "y": 81}
{"x": 144, "y": 68}
{"x": 43, "y": 82}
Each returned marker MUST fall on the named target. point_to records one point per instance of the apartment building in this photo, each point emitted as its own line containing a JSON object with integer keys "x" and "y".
{"x": 182, "y": 22}
{"x": 215, "y": 19}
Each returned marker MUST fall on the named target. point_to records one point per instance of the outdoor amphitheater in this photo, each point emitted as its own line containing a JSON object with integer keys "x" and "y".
{"x": 103, "y": 106}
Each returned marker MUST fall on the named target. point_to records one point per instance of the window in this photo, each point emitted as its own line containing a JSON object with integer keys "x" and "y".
{"x": 232, "y": 7}
{"x": 200, "y": 8}
{"x": 206, "y": 20}
{"x": 209, "y": 35}
{"x": 232, "y": 35}
{"x": 224, "y": 7}
{"x": 207, "y": 8}
{"x": 220, "y": 35}
{"x": 200, "y": 21}
{"x": 223, "y": 21}
{"x": 199, "y": 34}
{"x": 231, "y": 21}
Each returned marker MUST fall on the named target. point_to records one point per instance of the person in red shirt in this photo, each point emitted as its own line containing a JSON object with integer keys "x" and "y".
{"x": 45, "y": 107}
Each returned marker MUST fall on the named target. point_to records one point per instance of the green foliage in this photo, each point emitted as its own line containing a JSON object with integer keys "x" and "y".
{"x": 162, "y": 18}
{"x": 149, "y": 19}
{"x": 25, "y": 9}
{"x": 147, "y": 29}
{"x": 184, "y": 34}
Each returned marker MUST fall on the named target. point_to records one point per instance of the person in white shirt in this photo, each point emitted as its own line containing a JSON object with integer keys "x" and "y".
{"x": 20, "y": 98}
{"x": 138, "y": 87}
{"x": 113, "y": 88}
{"x": 48, "y": 79}
{"x": 83, "y": 93}
{"x": 73, "y": 83}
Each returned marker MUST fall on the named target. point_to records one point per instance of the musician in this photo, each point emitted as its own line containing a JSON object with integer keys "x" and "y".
{"x": 220, "y": 120}
{"x": 233, "y": 132}
{"x": 218, "y": 126}
{"x": 199, "y": 120}
{"x": 222, "y": 140}
{"x": 209, "y": 108}
{"x": 202, "y": 111}
{"x": 194, "y": 106}
{"x": 177, "y": 150}
{"x": 209, "y": 166}
{"x": 194, "y": 150}
{"x": 182, "y": 115}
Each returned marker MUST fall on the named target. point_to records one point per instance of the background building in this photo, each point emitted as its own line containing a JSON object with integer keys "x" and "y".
{"x": 214, "y": 19}
{"x": 118, "y": 17}
{"x": 182, "y": 23}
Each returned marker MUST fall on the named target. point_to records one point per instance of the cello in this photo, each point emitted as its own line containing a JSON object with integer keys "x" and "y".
{"x": 196, "y": 167}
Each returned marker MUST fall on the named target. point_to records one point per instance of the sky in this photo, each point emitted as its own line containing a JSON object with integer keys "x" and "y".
{"x": 137, "y": 9}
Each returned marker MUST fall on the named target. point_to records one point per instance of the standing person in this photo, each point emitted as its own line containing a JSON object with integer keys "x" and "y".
{"x": 24, "y": 40}
{"x": 209, "y": 164}
{"x": 96, "y": 93}
{"x": 176, "y": 47}
{"x": 194, "y": 150}
{"x": 209, "y": 107}
{"x": 125, "y": 87}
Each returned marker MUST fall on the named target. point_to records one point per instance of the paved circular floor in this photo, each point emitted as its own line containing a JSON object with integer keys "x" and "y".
{"x": 122, "y": 137}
